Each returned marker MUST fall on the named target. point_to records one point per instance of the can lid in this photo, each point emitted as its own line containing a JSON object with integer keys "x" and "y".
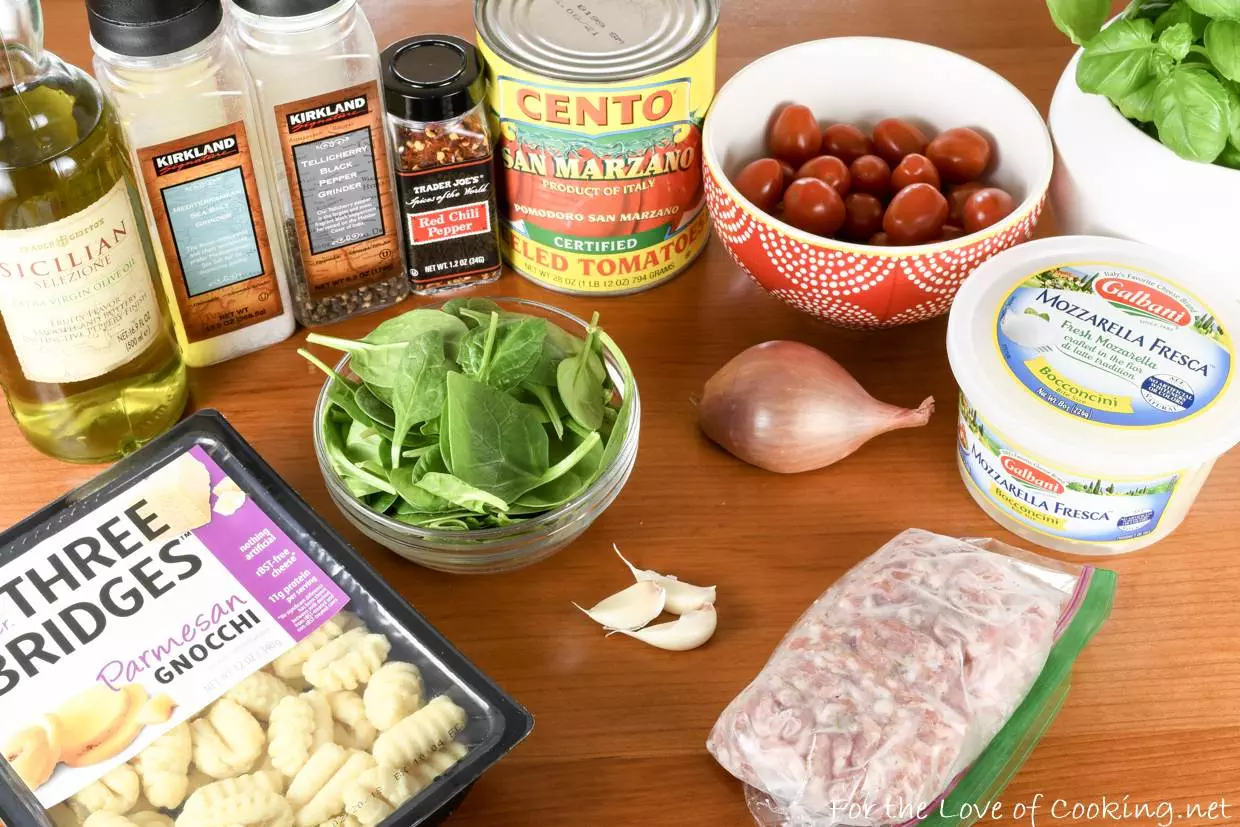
{"x": 283, "y": 8}
{"x": 149, "y": 28}
{"x": 597, "y": 39}
{"x": 432, "y": 77}
{"x": 1113, "y": 354}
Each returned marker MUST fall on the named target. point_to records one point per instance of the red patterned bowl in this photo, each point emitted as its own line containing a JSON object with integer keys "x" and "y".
{"x": 862, "y": 80}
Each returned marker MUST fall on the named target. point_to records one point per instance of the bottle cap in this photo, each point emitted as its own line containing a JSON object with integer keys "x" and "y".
{"x": 284, "y": 8}
{"x": 432, "y": 77}
{"x": 148, "y": 28}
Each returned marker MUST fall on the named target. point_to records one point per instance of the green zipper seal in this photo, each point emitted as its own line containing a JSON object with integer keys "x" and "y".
{"x": 989, "y": 775}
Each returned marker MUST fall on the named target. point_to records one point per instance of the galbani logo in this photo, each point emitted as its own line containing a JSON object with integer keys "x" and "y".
{"x": 1026, "y": 473}
{"x": 1126, "y": 293}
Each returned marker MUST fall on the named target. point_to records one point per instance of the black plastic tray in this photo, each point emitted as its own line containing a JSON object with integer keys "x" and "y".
{"x": 497, "y": 722}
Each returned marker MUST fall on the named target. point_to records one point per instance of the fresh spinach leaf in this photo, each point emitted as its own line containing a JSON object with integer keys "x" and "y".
{"x": 485, "y": 306}
{"x": 374, "y": 407}
{"x": 1080, "y": 20}
{"x": 477, "y": 346}
{"x": 545, "y": 398}
{"x": 495, "y": 442}
{"x": 1119, "y": 60}
{"x": 362, "y": 443}
{"x": 1222, "y": 42}
{"x": 416, "y": 500}
{"x": 518, "y": 350}
{"x": 576, "y": 470}
{"x": 1217, "y": 9}
{"x": 408, "y": 326}
{"x": 346, "y": 468}
{"x": 421, "y": 386}
{"x": 619, "y": 431}
{"x": 381, "y": 501}
{"x": 581, "y": 389}
{"x": 1192, "y": 113}
{"x": 460, "y": 493}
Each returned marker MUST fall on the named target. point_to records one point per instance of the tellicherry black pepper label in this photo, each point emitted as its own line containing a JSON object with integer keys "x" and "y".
{"x": 204, "y": 199}
{"x": 336, "y": 159}
{"x": 449, "y": 221}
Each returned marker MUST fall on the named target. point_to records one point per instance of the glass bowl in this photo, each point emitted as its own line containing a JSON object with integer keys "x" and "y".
{"x": 493, "y": 549}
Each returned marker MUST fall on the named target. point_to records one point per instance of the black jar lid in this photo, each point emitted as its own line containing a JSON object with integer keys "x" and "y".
{"x": 432, "y": 77}
{"x": 149, "y": 28}
{"x": 284, "y": 8}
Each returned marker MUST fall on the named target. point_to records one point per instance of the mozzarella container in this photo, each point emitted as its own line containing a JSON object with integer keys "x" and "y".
{"x": 248, "y": 535}
{"x": 1098, "y": 388}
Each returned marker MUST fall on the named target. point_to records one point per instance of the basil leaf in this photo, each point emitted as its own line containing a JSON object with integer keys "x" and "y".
{"x": 1230, "y": 157}
{"x": 1192, "y": 113}
{"x": 1176, "y": 41}
{"x": 1223, "y": 46}
{"x": 1217, "y": 9}
{"x": 1182, "y": 13}
{"x": 421, "y": 386}
{"x": 1119, "y": 60}
{"x": 1080, "y": 20}
{"x": 1150, "y": 9}
{"x": 460, "y": 493}
{"x": 1138, "y": 105}
{"x": 1233, "y": 106}
{"x": 496, "y": 443}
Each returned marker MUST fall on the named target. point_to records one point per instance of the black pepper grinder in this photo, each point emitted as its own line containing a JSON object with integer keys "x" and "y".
{"x": 434, "y": 90}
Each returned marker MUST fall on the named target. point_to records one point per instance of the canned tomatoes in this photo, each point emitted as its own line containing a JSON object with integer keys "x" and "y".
{"x": 599, "y": 105}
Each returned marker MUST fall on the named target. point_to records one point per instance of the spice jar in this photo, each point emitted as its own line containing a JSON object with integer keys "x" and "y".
{"x": 315, "y": 66}
{"x": 434, "y": 89}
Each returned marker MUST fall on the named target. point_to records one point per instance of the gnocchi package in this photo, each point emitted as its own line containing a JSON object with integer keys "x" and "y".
{"x": 166, "y": 662}
{"x": 912, "y": 689}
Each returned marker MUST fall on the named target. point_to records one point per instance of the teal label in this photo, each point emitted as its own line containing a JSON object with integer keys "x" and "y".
{"x": 212, "y": 225}
{"x": 1113, "y": 345}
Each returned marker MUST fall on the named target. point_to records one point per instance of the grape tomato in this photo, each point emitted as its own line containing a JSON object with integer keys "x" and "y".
{"x": 762, "y": 183}
{"x": 956, "y": 198}
{"x": 916, "y": 215}
{"x": 863, "y": 216}
{"x": 872, "y": 175}
{"x": 813, "y": 206}
{"x": 828, "y": 169}
{"x": 846, "y": 142}
{"x": 895, "y": 138}
{"x": 915, "y": 169}
{"x": 961, "y": 154}
{"x": 790, "y": 172}
{"x": 795, "y": 135}
{"x": 987, "y": 207}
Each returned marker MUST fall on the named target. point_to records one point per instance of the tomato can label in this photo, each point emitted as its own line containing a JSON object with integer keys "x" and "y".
{"x": 602, "y": 179}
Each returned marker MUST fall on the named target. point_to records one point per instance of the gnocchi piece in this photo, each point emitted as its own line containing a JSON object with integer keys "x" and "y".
{"x": 227, "y": 741}
{"x": 439, "y": 762}
{"x": 116, "y": 793}
{"x": 163, "y": 767}
{"x": 347, "y": 662}
{"x": 325, "y": 762}
{"x": 150, "y": 818}
{"x": 353, "y": 729}
{"x": 328, "y": 800}
{"x": 105, "y": 819}
{"x": 377, "y": 793}
{"x": 421, "y": 733}
{"x": 62, "y": 816}
{"x": 244, "y": 801}
{"x": 393, "y": 693}
{"x": 289, "y": 665}
{"x": 299, "y": 726}
{"x": 259, "y": 694}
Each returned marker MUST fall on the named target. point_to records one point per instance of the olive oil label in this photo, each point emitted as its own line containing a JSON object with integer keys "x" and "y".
{"x": 138, "y": 614}
{"x": 205, "y": 204}
{"x": 1114, "y": 345}
{"x": 76, "y": 295}
{"x": 343, "y": 204}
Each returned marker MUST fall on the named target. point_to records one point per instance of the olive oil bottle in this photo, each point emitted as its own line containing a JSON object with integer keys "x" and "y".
{"x": 88, "y": 360}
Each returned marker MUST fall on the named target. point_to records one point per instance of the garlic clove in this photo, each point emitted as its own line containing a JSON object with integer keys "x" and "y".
{"x": 681, "y": 597}
{"x": 689, "y": 631}
{"x": 632, "y": 608}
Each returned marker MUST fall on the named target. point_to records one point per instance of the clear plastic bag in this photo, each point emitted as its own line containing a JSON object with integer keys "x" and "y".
{"x": 911, "y": 691}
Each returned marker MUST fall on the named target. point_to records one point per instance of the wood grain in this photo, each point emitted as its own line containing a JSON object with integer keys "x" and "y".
{"x": 1155, "y": 710}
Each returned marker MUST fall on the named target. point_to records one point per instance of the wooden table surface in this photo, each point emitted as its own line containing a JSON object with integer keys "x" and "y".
{"x": 1154, "y": 714}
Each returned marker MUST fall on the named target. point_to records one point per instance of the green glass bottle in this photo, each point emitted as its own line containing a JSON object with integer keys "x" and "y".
{"x": 88, "y": 360}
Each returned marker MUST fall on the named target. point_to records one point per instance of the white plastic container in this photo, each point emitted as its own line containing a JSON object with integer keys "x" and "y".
{"x": 187, "y": 109}
{"x": 1098, "y": 387}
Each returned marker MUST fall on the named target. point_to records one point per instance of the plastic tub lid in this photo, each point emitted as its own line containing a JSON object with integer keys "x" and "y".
{"x": 1107, "y": 353}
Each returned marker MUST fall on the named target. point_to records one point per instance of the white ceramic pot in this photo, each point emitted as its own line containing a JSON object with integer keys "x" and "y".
{"x": 1113, "y": 179}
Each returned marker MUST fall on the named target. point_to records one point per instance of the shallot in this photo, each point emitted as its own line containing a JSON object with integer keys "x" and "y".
{"x": 787, "y": 407}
